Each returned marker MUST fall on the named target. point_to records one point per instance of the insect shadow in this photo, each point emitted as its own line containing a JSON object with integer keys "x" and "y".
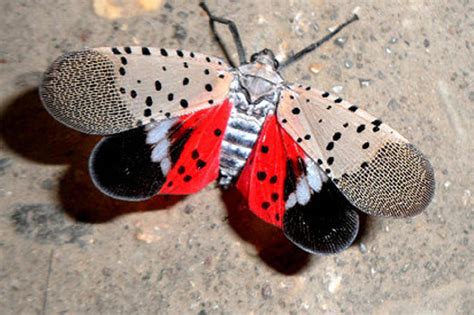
{"x": 272, "y": 245}
{"x": 31, "y": 132}
{"x": 269, "y": 241}
{"x": 28, "y": 130}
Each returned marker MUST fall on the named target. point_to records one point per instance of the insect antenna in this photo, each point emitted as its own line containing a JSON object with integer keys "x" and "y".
{"x": 233, "y": 30}
{"x": 315, "y": 45}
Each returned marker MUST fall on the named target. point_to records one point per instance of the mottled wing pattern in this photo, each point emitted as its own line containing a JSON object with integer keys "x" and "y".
{"x": 374, "y": 166}
{"x": 285, "y": 188}
{"x": 173, "y": 156}
{"x": 110, "y": 90}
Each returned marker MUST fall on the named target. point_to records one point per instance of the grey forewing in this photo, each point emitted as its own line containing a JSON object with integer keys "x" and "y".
{"x": 254, "y": 92}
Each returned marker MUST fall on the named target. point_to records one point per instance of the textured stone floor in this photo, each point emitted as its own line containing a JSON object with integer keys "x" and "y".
{"x": 65, "y": 248}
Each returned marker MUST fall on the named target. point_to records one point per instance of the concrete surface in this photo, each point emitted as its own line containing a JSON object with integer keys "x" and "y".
{"x": 67, "y": 249}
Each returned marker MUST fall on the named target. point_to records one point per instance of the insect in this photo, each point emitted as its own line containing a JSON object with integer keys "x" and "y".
{"x": 174, "y": 121}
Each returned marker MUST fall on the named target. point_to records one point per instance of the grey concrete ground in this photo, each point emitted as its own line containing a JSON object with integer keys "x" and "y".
{"x": 65, "y": 248}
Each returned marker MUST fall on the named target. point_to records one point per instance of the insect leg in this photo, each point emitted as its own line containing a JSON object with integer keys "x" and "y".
{"x": 233, "y": 30}
{"x": 315, "y": 45}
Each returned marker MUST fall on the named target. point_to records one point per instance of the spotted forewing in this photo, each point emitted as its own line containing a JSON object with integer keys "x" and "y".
{"x": 109, "y": 90}
{"x": 376, "y": 168}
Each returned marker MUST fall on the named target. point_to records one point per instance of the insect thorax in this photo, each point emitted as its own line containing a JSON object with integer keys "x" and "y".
{"x": 254, "y": 93}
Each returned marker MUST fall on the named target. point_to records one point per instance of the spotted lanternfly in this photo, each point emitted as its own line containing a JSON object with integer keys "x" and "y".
{"x": 176, "y": 120}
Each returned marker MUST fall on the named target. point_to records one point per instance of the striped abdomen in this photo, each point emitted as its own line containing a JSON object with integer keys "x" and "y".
{"x": 239, "y": 138}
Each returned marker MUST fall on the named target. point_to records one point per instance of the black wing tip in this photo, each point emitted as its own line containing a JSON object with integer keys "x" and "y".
{"x": 113, "y": 192}
{"x": 120, "y": 167}
{"x": 333, "y": 244}
{"x": 328, "y": 224}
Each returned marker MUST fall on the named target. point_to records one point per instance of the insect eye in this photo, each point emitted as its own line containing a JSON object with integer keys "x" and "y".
{"x": 253, "y": 57}
{"x": 276, "y": 64}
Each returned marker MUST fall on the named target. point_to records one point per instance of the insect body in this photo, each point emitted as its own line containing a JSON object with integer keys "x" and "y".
{"x": 176, "y": 120}
{"x": 255, "y": 93}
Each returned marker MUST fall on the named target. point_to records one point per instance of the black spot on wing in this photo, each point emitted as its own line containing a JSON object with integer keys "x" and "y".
{"x": 326, "y": 225}
{"x": 273, "y": 179}
{"x": 377, "y": 122}
{"x": 149, "y": 101}
{"x": 200, "y": 164}
{"x": 295, "y": 111}
{"x": 146, "y": 51}
{"x": 158, "y": 85}
{"x": 353, "y": 108}
{"x": 261, "y": 175}
{"x": 121, "y": 167}
{"x": 183, "y": 103}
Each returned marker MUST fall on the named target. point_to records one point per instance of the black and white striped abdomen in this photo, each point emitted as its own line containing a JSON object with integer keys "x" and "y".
{"x": 239, "y": 138}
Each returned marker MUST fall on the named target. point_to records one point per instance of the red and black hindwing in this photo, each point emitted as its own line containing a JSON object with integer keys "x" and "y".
{"x": 287, "y": 189}
{"x": 177, "y": 156}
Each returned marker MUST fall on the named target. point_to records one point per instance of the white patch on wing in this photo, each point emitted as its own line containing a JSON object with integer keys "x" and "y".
{"x": 323, "y": 175}
{"x": 159, "y": 131}
{"x": 303, "y": 193}
{"x": 157, "y": 137}
{"x": 165, "y": 165}
{"x": 313, "y": 176}
{"x": 291, "y": 202}
{"x": 307, "y": 184}
{"x": 160, "y": 151}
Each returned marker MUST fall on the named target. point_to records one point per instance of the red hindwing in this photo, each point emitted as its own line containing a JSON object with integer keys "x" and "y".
{"x": 196, "y": 142}
{"x": 265, "y": 175}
